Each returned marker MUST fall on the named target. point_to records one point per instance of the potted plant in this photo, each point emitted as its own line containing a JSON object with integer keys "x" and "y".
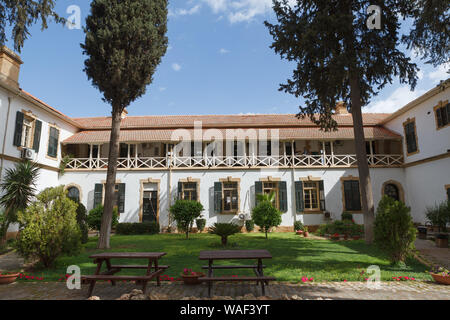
{"x": 439, "y": 216}
{"x": 8, "y": 277}
{"x": 298, "y": 227}
{"x": 201, "y": 223}
{"x": 190, "y": 277}
{"x": 422, "y": 232}
{"x": 305, "y": 232}
{"x": 356, "y": 232}
{"x": 440, "y": 275}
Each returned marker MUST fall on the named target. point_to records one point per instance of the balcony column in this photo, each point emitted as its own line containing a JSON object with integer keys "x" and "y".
{"x": 371, "y": 153}
{"x": 332, "y": 152}
{"x": 292, "y": 153}
{"x": 324, "y": 156}
{"x": 90, "y": 156}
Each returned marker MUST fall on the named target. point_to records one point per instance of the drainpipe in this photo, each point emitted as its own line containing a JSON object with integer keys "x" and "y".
{"x": 294, "y": 204}
{"x": 4, "y": 136}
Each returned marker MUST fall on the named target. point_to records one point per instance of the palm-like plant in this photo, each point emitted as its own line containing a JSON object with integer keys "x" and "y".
{"x": 224, "y": 230}
{"x": 269, "y": 197}
{"x": 18, "y": 189}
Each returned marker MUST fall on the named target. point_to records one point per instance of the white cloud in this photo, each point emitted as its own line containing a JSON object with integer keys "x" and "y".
{"x": 185, "y": 12}
{"x": 241, "y": 10}
{"x": 176, "y": 67}
{"x": 224, "y": 51}
{"x": 162, "y": 89}
{"x": 441, "y": 73}
{"x": 398, "y": 99}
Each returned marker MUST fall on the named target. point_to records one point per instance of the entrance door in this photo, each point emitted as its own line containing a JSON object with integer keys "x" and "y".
{"x": 150, "y": 206}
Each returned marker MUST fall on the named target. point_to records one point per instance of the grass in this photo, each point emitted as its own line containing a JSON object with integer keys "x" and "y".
{"x": 293, "y": 256}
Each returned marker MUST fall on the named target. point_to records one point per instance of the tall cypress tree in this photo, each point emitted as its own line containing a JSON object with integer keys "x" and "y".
{"x": 20, "y": 15}
{"x": 339, "y": 58}
{"x": 125, "y": 41}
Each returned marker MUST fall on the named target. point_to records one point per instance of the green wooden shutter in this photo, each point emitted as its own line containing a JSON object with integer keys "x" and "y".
{"x": 258, "y": 190}
{"x": 282, "y": 188}
{"x": 448, "y": 194}
{"x": 121, "y": 198}
{"x": 411, "y": 137}
{"x": 180, "y": 190}
{"x": 218, "y": 197}
{"x": 322, "y": 196}
{"x": 448, "y": 112}
{"x": 356, "y": 196}
{"x": 299, "y": 204}
{"x": 18, "y": 130}
{"x": 37, "y": 135}
{"x": 98, "y": 194}
{"x": 195, "y": 192}
{"x": 439, "y": 116}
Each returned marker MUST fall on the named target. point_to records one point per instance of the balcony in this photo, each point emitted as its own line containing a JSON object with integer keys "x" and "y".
{"x": 229, "y": 162}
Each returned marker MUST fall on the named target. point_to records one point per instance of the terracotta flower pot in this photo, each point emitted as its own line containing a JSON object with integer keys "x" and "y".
{"x": 8, "y": 278}
{"x": 441, "y": 279}
{"x": 299, "y": 232}
{"x": 305, "y": 234}
{"x": 356, "y": 237}
{"x": 441, "y": 243}
{"x": 192, "y": 279}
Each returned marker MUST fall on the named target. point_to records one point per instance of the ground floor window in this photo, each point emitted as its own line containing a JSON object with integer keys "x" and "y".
{"x": 352, "y": 196}
{"x": 73, "y": 193}
{"x": 188, "y": 191}
{"x": 230, "y": 201}
{"x": 392, "y": 191}
{"x": 272, "y": 187}
{"x": 447, "y": 188}
{"x": 118, "y": 196}
{"x": 311, "y": 195}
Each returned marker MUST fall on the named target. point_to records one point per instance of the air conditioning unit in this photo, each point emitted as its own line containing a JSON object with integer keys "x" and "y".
{"x": 28, "y": 154}
{"x": 244, "y": 216}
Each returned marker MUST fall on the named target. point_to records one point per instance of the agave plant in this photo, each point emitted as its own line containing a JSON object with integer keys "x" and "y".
{"x": 18, "y": 189}
{"x": 224, "y": 230}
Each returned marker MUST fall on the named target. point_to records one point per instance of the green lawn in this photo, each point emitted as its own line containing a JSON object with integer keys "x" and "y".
{"x": 293, "y": 256}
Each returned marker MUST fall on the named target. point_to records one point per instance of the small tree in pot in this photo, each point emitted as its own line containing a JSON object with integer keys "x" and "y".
{"x": 185, "y": 212}
{"x": 439, "y": 216}
{"x": 266, "y": 216}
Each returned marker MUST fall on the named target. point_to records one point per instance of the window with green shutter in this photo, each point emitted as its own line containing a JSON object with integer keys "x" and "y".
{"x": 98, "y": 195}
{"x": 299, "y": 204}
{"x": 53, "y": 142}
{"x": 410, "y": 136}
{"x": 282, "y": 188}
{"x": 258, "y": 190}
{"x": 442, "y": 112}
{"x": 18, "y": 129}
{"x": 352, "y": 197}
{"x": 218, "y": 197}
{"x": 37, "y": 135}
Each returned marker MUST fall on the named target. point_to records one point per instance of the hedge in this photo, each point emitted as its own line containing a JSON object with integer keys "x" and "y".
{"x": 137, "y": 228}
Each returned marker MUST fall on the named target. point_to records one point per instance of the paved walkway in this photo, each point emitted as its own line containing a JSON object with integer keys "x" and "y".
{"x": 331, "y": 290}
{"x": 11, "y": 262}
{"x": 433, "y": 254}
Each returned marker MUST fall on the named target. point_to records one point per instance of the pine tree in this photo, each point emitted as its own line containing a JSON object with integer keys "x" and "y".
{"x": 339, "y": 58}
{"x": 21, "y": 14}
{"x": 125, "y": 41}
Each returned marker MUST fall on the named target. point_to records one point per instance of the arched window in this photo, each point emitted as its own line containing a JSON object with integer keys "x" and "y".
{"x": 73, "y": 193}
{"x": 392, "y": 191}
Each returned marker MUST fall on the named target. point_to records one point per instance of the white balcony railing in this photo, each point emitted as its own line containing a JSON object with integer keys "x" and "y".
{"x": 298, "y": 161}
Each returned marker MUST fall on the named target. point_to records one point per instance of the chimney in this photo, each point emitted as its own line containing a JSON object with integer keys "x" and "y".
{"x": 9, "y": 67}
{"x": 124, "y": 113}
{"x": 341, "y": 108}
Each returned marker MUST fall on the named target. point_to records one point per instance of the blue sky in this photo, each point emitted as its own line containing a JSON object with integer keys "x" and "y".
{"x": 218, "y": 62}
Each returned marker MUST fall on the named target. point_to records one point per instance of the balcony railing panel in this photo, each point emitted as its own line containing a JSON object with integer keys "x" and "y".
{"x": 251, "y": 161}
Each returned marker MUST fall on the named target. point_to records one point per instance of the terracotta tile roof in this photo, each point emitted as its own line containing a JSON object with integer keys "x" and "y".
{"x": 167, "y": 135}
{"x": 219, "y": 121}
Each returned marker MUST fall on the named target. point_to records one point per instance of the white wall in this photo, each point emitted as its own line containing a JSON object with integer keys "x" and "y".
{"x": 331, "y": 177}
{"x": 431, "y": 142}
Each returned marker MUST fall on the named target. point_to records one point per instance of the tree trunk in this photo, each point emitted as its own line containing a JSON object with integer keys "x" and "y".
{"x": 105, "y": 229}
{"x": 365, "y": 185}
{"x": 5, "y": 225}
{"x": 224, "y": 241}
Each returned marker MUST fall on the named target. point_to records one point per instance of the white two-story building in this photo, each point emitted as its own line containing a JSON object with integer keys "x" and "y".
{"x": 224, "y": 161}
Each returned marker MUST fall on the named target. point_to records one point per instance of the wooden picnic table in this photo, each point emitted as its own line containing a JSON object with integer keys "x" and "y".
{"x": 109, "y": 274}
{"x": 258, "y": 255}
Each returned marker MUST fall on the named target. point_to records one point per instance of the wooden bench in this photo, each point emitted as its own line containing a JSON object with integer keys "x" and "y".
{"x": 153, "y": 269}
{"x": 259, "y": 277}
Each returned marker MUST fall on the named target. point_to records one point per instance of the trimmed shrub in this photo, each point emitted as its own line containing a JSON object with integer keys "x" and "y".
{"x": 394, "y": 229}
{"x": 201, "y": 223}
{"x": 249, "y": 225}
{"x": 298, "y": 225}
{"x": 185, "y": 212}
{"x": 266, "y": 216}
{"x": 82, "y": 222}
{"x": 50, "y": 228}
{"x": 346, "y": 216}
{"x": 224, "y": 230}
{"x": 94, "y": 218}
{"x": 135, "y": 228}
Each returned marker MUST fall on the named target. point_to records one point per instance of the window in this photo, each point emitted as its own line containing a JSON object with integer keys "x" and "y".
{"x": 27, "y": 131}
{"x": 73, "y": 193}
{"x": 447, "y": 188}
{"x": 118, "y": 197}
{"x": 392, "y": 191}
{"x": 230, "y": 201}
{"x": 311, "y": 195}
{"x": 410, "y": 136}
{"x": 189, "y": 191}
{"x": 352, "y": 196}
{"x": 268, "y": 188}
{"x": 442, "y": 113}
{"x": 53, "y": 142}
